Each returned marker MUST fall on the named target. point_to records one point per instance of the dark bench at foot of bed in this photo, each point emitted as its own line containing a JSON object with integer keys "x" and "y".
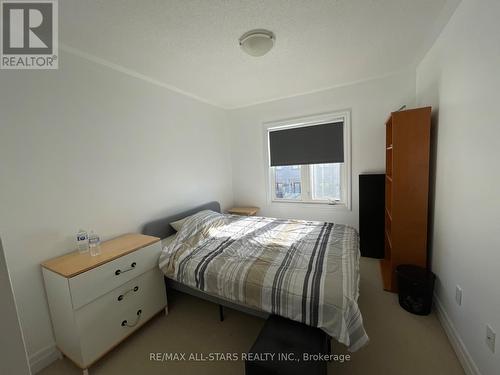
{"x": 283, "y": 347}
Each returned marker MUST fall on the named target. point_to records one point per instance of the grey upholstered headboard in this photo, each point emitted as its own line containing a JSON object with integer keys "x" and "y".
{"x": 161, "y": 227}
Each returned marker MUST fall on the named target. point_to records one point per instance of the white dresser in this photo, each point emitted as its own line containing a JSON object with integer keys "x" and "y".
{"x": 96, "y": 302}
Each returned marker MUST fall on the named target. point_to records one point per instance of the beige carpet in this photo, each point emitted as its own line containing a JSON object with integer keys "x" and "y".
{"x": 400, "y": 343}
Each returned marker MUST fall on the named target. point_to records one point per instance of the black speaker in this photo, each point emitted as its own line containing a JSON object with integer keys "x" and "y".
{"x": 371, "y": 214}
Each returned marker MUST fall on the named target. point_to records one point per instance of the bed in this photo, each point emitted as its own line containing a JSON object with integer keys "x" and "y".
{"x": 306, "y": 271}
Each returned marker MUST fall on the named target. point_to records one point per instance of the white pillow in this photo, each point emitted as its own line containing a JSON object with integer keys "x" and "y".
{"x": 177, "y": 225}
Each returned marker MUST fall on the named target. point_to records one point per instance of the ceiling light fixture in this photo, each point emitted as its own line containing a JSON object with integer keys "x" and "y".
{"x": 257, "y": 42}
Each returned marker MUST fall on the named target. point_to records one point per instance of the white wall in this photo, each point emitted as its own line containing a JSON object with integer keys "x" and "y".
{"x": 370, "y": 103}
{"x": 460, "y": 78}
{"x": 86, "y": 146}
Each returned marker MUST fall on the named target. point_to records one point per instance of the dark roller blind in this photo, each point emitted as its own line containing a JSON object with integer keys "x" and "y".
{"x": 315, "y": 144}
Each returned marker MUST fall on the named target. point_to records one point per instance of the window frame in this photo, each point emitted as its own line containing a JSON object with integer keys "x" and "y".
{"x": 306, "y": 192}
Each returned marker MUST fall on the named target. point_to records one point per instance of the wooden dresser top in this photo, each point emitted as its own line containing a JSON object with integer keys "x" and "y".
{"x": 74, "y": 263}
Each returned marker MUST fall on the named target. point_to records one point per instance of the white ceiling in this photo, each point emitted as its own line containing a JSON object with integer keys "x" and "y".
{"x": 192, "y": 45}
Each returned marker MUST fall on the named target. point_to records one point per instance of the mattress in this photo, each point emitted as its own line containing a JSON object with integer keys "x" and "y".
{"x": 302, "y": 270}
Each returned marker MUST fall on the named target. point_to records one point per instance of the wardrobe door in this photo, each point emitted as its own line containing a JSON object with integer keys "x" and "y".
{"x": 13, "y": 359}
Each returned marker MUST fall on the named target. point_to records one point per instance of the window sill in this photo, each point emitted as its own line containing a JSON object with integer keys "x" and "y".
{"x": 310, "y": 204}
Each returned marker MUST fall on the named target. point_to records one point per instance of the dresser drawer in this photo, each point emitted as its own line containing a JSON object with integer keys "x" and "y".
{"x": 89, "y": 285}
{"x": 100, "y": 322}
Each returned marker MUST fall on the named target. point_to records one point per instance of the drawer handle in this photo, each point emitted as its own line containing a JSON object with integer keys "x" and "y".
{"x": 122, "y": 296}
{"x": 132, "y": 266}
{"x": 125, "y": 323}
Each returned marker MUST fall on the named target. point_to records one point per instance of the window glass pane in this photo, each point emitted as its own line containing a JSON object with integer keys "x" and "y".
{"x": 325, "y": 181}
{"x": 287, "y": 183}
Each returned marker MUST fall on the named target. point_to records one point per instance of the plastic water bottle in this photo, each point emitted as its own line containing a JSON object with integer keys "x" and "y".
{"x": 82, "y": 241}
{"x": 94, "y": 244}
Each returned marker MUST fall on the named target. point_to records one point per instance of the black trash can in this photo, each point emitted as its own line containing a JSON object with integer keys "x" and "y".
{"x": 416, "y": 285}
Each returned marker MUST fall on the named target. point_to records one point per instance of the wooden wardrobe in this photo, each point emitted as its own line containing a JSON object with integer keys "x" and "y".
{"x": 406, "y": 191}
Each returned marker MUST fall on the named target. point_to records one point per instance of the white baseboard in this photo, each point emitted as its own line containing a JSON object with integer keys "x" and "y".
{"x": 43, "y": 358}
{"x": 458, "y": 345}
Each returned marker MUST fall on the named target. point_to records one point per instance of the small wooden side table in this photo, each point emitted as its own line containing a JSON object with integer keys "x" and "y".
{"x": 243, "y": 211}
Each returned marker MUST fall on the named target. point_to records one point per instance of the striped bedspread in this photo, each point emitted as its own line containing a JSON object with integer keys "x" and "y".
{"x": 305, "y": 271}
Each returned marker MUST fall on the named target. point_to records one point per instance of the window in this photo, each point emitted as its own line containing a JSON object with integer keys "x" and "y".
{"x": 288, "y": 182}
{"x": 322, "y": 172}
{"x": 308, "y": 183}
{"x": 325, "y": 182}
